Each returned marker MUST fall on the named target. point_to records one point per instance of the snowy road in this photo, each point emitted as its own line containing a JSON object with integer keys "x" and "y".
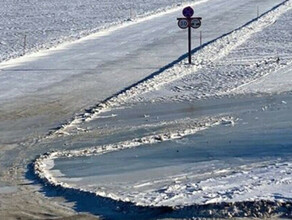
{"x": 70, "y": 78}
{"x": 41, "y": 91}
{"x": 100, "y": 66}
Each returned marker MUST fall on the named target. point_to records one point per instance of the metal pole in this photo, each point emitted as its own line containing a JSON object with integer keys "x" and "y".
{"x": 190, "y": 45}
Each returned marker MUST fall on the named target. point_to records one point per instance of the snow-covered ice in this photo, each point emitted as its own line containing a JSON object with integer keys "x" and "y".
{"x": 182, "y": 168}
{"x": 156, "y": 177}
{"x": 160, "y": 132}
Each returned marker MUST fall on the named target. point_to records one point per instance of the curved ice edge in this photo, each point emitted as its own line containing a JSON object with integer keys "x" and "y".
{"x": 210, "y": 52}
{"x": 45, "y": 162}
{"x": 260, "y": 209}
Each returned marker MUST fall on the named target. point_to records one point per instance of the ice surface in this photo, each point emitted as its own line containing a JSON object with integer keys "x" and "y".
{"x": 180, "y": 115}
{"x": 250, "y": 165}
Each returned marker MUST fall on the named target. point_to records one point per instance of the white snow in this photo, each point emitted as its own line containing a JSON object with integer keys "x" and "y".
{"x": 252, "y": 59}
{"x": 267, "y": 182}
